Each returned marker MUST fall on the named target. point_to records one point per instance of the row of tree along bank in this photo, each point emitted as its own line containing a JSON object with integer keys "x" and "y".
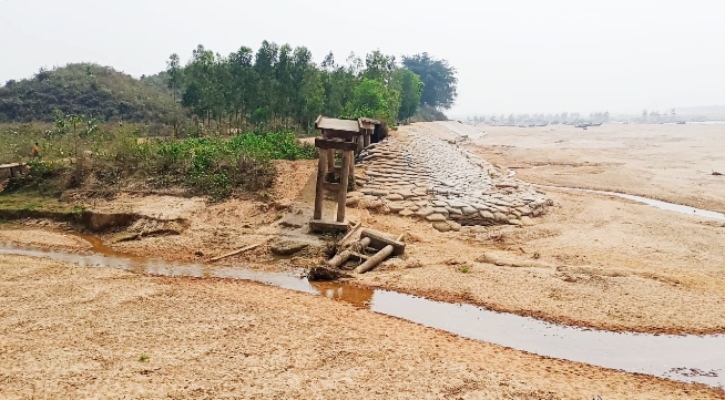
{"x": 280, "y": 87}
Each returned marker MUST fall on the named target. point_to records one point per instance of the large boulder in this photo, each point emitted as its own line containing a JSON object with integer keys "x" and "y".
{"x": 287, "y": 246}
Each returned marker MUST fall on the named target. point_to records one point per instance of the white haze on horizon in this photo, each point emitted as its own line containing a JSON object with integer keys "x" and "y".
{"x": 512, "y": 57}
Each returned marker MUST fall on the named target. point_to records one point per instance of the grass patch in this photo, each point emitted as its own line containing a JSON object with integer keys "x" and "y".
{"x": 464, "y": 269}
{"x": 104, "y": 161}
{"x": 143, "y": 358}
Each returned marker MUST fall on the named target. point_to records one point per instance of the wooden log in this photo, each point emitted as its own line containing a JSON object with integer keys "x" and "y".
{"x": 320, "y": 189}
{"x": 379, "y": 257}
{"x": 381, "y": 240}
{"x": 235, "y": 252}
{"x": 342, "y": 257}
{"x": 342, "y": 193}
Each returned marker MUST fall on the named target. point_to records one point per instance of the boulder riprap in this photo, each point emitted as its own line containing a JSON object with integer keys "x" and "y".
{"x": 431, "y": 179}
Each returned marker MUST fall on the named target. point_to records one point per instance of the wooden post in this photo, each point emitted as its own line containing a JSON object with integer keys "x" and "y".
{"x": 342, "y": 194}
{"x": 320, "y": 189}
{"x": 366, "y": 139}
{"x": 360, "y": 142}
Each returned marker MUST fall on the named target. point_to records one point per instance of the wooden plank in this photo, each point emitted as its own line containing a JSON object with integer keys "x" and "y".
{"x": 12, "y": 165}
{"x": 235, "y": 252}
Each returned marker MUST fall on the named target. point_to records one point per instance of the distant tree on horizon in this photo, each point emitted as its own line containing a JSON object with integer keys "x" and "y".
{"x": 439, "y": 78}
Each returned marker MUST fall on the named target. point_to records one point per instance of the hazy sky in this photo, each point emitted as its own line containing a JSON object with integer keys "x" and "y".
{"x": 512, "y": 56}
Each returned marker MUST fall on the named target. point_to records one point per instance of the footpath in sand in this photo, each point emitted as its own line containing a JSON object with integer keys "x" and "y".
{"x": 70, "y": 332}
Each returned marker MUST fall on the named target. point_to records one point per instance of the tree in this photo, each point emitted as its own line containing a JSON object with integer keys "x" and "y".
{"x": 173, "y": 68}
{"x": 439, "y": 78}
{"x": 370, "y": 100}
{"x": 411, "y": 89}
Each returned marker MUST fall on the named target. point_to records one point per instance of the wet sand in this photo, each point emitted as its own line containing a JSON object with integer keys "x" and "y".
{"x": 77, "y": 332}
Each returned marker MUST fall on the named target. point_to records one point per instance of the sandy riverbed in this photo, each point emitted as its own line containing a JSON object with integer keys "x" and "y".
{"x": 73, "y": 332}
{"x": 673, "y": 163}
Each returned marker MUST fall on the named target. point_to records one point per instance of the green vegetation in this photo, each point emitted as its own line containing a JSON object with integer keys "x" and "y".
{"x": 103, "y": 161}
{"x": 275, "y": 88}
{"x": 464, "y": 269}
{"x": 438, "y": 77}
{"x": 279, "y": 87}
{"x": 143, "y": 358}
{"x": 85, "y": 89}
{"x": 211, "y": 126}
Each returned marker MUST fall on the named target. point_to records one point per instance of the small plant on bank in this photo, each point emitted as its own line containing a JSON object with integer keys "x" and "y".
{"x": 143, "y": 358}
{"x": 464, "y": 269}
{"x": 78, "y": 211}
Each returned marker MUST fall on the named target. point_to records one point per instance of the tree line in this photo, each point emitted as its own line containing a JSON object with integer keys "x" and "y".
{"x": 280, "y": 87}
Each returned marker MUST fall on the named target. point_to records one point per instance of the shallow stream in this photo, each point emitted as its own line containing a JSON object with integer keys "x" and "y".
{"x": 683, "y": 358}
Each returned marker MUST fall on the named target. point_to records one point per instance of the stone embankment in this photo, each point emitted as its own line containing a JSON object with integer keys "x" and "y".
{"x": 416, "y": 175}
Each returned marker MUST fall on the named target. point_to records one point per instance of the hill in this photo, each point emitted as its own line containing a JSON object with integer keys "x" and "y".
{"x": 87, "y": 89}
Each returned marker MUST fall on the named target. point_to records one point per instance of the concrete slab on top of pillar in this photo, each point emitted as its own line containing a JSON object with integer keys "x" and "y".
{"x": 319, "y": 226}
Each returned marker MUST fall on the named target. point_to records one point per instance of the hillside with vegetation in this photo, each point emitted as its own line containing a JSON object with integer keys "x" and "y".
{"x": 85, "y": 89}
{"x": 219, "y": 122}
{"x": 270, "y": 89}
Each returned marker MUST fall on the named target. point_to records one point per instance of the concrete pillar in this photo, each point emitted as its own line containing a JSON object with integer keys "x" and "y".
{"x": 320, "y": 188}
{"x": 342, "y": 194}
{"x": 330, "y": 160}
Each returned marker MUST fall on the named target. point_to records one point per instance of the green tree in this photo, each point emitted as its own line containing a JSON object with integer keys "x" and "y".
{"x": 439, "y": 77}
{"x": 411, "y": 89}
{"x": 370, "y": 100}
{"x": 173, "y": 68}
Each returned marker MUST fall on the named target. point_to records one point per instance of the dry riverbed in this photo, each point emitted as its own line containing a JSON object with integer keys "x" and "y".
{"x": 73, "y": 332}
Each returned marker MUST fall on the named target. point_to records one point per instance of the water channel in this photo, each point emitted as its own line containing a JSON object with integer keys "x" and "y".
{"x": 684, "y": 358}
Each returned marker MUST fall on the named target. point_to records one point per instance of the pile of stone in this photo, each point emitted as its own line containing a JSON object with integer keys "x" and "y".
{"x": 422, "y": 176}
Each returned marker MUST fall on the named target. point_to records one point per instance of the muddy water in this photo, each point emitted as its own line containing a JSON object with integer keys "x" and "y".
{"x": 684, "y": 358}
